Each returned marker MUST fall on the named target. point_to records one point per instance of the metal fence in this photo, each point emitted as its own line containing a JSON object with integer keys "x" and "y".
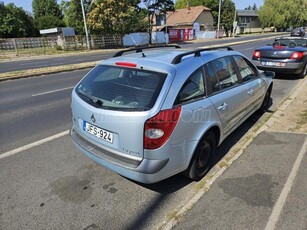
{"x": 64, "y": 43}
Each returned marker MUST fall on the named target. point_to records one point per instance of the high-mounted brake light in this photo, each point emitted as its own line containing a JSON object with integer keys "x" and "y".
{"x": 297, "y": 55}
{"x": 257, "y": 54}
{"x": 279, "y": 47}
{"x": 126, "y": 64}
{"x": 159, "y": 128}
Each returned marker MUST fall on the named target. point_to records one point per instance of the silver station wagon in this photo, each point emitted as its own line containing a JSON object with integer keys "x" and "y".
{"x": 148, "y": 114}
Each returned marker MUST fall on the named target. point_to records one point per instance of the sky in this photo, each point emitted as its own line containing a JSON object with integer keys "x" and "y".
{"x": 27, "y": 4}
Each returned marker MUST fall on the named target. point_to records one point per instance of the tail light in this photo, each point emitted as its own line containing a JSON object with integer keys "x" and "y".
{"x": 297, "y": 55}
{"x": 159, "y": 128}
{"x": 257, "y": 54}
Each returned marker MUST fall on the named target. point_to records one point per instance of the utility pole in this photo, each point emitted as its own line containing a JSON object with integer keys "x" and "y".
{"x": 85, "y": 26}
{"x": 218, "y": 20}
{"x": 234, "y": 23}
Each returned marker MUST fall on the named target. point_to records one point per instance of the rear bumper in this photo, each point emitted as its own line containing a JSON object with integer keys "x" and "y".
{"x": 289, "y": 68}
{"x": 145, "y": 171}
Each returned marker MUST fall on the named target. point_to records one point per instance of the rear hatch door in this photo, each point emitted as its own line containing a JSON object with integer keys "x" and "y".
{"x": 111, "y": 105}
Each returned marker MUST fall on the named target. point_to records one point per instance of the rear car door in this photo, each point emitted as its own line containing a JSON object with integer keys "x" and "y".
{"x": 255, "y": 86}
{"x": 226, "y": 92}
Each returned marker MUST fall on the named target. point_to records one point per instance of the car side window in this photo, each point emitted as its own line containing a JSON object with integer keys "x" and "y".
{"x": 225, "y": 72}
{"x": 213, "y": 82}
{"x": 194, "y": 87}
{"x": 246, "y": 70}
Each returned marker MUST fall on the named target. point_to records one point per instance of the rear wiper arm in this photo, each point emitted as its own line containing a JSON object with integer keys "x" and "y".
{"x": 93, "y": 99}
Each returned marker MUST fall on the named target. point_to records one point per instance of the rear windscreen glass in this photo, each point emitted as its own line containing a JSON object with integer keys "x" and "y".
{"x": 121, "y": 88}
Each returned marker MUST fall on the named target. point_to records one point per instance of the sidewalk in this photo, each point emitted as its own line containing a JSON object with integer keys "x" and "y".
{"x": 266, "y": 187}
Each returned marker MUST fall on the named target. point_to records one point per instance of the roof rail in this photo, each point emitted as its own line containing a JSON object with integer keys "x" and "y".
{"x": 140, "y": 49}
{"x": 197, "y": 52}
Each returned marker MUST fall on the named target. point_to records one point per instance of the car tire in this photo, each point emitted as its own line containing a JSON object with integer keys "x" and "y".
{"x": 266, "y": 101}
{"x": 304, "y": 72}
{"x": 201, "y": 160}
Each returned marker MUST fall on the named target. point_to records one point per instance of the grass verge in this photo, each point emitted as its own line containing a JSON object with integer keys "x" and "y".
{"x": 46, "y": 70}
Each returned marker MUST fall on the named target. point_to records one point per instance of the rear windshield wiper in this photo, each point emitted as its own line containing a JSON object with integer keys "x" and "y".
{"x": 92, "y": 99}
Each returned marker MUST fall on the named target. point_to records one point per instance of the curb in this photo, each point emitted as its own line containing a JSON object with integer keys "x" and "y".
{"x": 204, "y": 185}
{"x": 46, "y": 71}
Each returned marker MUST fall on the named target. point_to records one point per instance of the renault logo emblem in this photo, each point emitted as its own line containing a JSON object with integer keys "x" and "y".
{"x": 93, "y": 118}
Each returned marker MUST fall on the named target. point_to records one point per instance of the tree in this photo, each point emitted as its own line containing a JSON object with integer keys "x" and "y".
{"x": 45, "y": 10}
{"x": 283, "y": 14}
{"x": 115, "y": 17}
{"x": 49, "y": 21}
{"x": 73, "y": 16}
{"x": 157, "y": 7}
{"x": 46, "y": 7}
{"x": 254, "y": 7}
{"x": 227, "y": 14}
{"x": 180, "y": 4}
{"x": 15, "y": 22}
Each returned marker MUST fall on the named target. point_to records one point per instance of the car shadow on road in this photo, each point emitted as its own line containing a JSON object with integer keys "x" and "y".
{"x": 179, "y": 181}
{"x": 286, "y": 77}
{"x": 171, "y": 185}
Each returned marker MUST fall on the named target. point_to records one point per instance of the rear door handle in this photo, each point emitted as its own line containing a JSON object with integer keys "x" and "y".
{"x": 250, "y": 92}
{"x": 222, "y": 107}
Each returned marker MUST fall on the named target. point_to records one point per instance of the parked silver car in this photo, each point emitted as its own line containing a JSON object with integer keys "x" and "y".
{"x": 155, "y": 113}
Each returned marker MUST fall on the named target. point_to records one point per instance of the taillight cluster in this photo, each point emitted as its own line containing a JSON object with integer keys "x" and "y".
{"x": 257, "y": 54}
{"x": 158, "y": 129}
{"x": 297, "y": 55}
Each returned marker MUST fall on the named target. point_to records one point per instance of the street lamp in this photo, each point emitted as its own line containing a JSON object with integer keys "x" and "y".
{"x": 85, "y": 26}
{"x": 218, "y": 20}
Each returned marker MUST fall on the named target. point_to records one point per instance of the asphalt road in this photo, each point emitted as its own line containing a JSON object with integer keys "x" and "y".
{"x": 89, "y": 57}
{"x": 53, "y": 186}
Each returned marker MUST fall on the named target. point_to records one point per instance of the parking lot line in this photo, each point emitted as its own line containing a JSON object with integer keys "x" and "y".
{"x": 31, "y": 145}
{"x": 52, "y": 91}
{"x": 286, "y": 190}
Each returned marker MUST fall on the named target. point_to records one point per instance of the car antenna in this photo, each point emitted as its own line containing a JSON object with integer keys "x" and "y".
{"x": 143, "y": 55}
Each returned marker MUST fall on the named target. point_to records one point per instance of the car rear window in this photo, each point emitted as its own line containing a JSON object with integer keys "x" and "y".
{"x": 121, "y": 88}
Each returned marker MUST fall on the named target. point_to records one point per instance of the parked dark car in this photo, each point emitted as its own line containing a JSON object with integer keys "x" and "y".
{"x": 287, "y": 55}
{"x": 298, "y": 32}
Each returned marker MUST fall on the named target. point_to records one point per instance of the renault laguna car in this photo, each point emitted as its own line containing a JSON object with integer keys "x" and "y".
{"x": 154, "y": 113}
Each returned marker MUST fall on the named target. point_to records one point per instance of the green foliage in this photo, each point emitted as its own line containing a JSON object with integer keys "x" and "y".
{"x": 227, "y": 15}
{"x": 15, "y": 22}
{"x": 115, "y": 17}
{"x": 283, "y": 14}
{"x": 180, "y": 4}
{"x": 47, "y": 14}
{"x": 73, "y": 16}
{"x": 46, "y": 7}
{"x": 254, "y": 7}
{"x": 49, "y": 21}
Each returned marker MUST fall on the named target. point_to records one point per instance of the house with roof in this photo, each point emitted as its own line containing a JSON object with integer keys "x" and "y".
{"x": 185, "y": 18}
{"x": 249, "y": 22}
{"x": 182, "y": 24}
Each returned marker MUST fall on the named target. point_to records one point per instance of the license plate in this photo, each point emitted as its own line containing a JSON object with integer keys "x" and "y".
{"x": 98, "y": 132}
{"x": 268, "y": 63}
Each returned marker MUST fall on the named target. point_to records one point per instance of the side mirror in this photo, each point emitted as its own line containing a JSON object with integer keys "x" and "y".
{"x": 269, "y": 74}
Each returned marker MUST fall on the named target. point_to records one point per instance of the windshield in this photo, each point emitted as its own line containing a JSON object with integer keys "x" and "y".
{"x": 121, "y": 88}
